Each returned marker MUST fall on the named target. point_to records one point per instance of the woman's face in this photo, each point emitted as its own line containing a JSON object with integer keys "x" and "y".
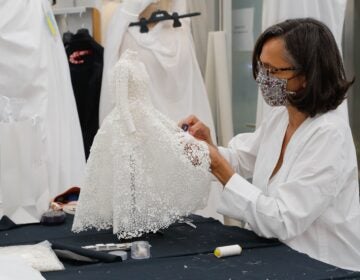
{"x": 273, "y": 57}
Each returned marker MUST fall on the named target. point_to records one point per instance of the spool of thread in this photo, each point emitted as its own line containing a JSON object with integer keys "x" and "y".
{"x": 227, "y": 251}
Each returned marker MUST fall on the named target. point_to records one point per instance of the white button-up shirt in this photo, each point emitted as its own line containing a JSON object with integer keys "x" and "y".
{"x": 312, "y": 204}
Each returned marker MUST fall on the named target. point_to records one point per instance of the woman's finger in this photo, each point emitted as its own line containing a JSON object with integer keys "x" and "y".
{"x": 189, "y": 121}
{"x": 200, "y": 131}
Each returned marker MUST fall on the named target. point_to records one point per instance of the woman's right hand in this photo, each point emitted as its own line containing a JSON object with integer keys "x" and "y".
{"x": 197, "y": 129}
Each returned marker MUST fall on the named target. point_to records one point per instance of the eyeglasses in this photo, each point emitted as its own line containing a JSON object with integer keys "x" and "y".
{"x": 273, "y": 70}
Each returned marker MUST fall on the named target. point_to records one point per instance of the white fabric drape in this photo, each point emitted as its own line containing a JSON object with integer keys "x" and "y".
{"x": 40, "y": 109}
{"x": 201, "y": 26}
{"x": 107, "y": 10}
{"x": 330, "y": 12}
{"x": 177, "y": 87}
{"x": 217, "y": 80}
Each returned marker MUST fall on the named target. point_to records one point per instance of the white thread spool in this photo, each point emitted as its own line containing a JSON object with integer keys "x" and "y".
{"x": 226, "y": 251}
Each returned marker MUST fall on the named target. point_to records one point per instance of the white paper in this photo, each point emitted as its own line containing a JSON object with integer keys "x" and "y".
{"x": 243, "y": 29}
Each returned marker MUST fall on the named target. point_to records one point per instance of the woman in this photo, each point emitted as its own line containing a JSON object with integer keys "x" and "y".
{"x": 302, "y": 159}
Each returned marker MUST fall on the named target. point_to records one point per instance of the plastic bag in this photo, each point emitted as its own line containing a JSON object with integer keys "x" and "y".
{"x": 40, "y": 256}
{"x": 15, "y": 268}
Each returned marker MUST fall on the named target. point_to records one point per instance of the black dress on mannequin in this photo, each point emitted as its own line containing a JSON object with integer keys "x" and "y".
{"x": 86, "y": 66}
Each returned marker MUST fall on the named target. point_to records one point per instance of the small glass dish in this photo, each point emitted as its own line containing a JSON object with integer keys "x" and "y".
{"x": 140, "y": 250}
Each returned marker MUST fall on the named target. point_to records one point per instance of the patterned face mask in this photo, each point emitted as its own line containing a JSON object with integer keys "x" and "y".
{"x": 273, "y": 89}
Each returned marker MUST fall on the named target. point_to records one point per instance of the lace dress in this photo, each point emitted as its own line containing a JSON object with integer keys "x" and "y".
{"x": 144, "y": 172}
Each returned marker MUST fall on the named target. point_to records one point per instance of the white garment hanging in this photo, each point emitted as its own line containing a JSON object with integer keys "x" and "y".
{"x": 312, "y": 204}
{"x": 107, "y": 10}
{"x": 177, "y": 88}
{"x": 143, "y": 172}
{"x": 40, "y": 115}
{"x": 330, "y": 12}
{"x": 219, "y": 87}
{"x": 202, "y": 25}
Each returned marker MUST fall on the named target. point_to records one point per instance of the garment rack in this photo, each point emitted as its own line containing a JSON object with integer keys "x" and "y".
{"x": 160, "y": 15}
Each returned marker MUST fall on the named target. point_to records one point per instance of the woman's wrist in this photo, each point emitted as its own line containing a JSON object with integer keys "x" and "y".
{"x": 221, "y": 169}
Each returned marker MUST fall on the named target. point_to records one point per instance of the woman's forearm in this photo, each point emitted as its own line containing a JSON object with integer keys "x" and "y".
{"x": 221, "y": 169}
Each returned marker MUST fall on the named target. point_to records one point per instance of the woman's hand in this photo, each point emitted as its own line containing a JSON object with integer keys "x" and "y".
{"x": 220, "y": 167}
{"x": 197, "y": 129}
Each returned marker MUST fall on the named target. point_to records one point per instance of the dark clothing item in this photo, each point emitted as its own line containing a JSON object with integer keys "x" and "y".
{"x": 86, "y": 79}
{"x": 6, "y": 223}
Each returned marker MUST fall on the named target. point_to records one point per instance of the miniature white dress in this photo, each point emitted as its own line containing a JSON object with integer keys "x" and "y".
{"x": 144, "y": 172}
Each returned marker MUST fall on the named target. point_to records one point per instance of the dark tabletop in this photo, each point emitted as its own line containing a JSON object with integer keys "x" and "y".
{"x": 180, "y": 252}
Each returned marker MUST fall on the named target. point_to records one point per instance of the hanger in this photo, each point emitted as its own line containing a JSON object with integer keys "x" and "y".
{"x": 65, "y": 17}
{"x": 161, "y": 15}
{"x": 81, "y": 18}
{"x": 67, "y": 35}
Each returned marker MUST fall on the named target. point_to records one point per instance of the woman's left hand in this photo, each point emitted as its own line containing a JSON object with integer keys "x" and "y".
{"x": 220, "y": 167}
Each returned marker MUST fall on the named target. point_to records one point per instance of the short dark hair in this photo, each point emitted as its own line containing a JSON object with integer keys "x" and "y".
{"x": 313, "y": 50}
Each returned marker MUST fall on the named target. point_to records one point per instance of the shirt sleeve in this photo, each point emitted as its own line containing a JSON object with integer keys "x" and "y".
{"x": 242, "y": 151}
{"x": 298, "y": 202}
